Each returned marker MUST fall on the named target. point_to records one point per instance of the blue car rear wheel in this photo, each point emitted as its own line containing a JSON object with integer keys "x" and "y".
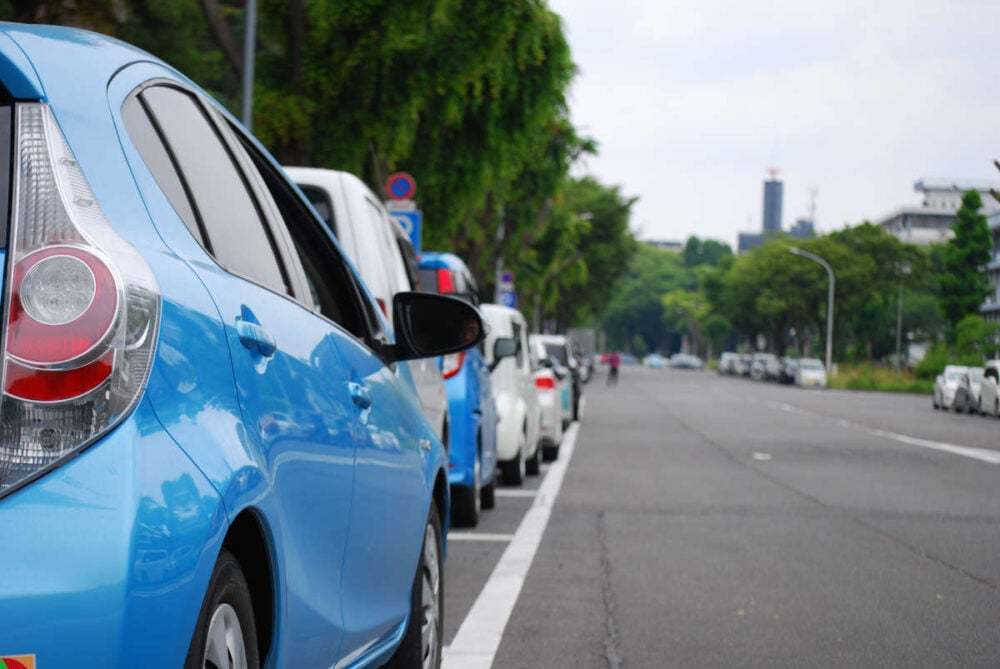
{"x": 225, "y": 636}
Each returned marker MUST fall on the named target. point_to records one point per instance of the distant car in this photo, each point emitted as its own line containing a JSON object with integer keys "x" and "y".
{"x": 509, "y": 359}
{"x": 729, "y": 363}
{"x": 745, "y": 364}
{"x": 945, "y": 386}
{"x": 765, "y": 367}
{"x": 384, "y": 257}
{"x": 989, "y": 390}
{"x": 810, "y": 373}
{"x": 967, "y": 393}
{"x": 686, "y": 361}
{"x": 560, "y": 376}
{"x": 628, "y": 359}
{"x": 789, "y": 368}
{"x": 654, "y": 361}
{"x": 472, "y": 416}
{"x": 557, "y": 348}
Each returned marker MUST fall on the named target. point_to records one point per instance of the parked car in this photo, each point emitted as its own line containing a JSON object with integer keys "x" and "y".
{"x": 967, "y": 393}
{"x": 547, "y": 352}
{"x": 207, "y": 435}
{"x": 810, "y": 373}
{"x": 557, "y": 349}
{"x": 945, "y": 386}
{"x": 472, "y": 415}
{"x": 512, "y": 377}
{"x": 550, "y": 404}
{"x": 745, "y": 365}
{"x": 989, "y": 390}
{"x": 654, "y": 361}
{"x": 686, "y": 361}
{"x": 384, "y": 257}
{"x": 765, "y": 367}
{"x": 789, "y": 368}
{"x": 729, "y": 363}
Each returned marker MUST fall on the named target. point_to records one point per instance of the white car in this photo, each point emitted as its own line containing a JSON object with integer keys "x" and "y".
{"x": 384, "y": 257}
{"x": 509, "y": 358}
{"x": 545, "y": 349}
{"x": 810, "y": 373}
{"x": 989, "y": 391}
{"x": 967, "y": 394}
{"x": 945, "y": 386}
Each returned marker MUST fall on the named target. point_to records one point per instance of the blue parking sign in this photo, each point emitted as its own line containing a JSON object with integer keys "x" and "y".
{"x": 411, "y": 222}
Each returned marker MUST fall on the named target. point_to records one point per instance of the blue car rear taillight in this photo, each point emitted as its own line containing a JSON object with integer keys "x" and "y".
{"x": 81, "y": 309}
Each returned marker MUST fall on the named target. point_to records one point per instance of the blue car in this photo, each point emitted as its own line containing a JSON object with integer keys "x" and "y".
{"x": 209, "y": 456}
{"x": 472, "y": 415}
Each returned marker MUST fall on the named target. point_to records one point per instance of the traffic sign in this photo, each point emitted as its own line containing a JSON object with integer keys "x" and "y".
{"x": 400, "y": 186}
{"x": 411, "y": 222}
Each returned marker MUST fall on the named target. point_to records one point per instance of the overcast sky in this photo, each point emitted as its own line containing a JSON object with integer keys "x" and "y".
{"x": 692, "y": 100}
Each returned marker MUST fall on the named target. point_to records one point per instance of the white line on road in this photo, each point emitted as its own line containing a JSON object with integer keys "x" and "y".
{"x": 478, "y": 536}
{"x": 506, "y": 492}
{"x": 476, "y": 643}
{"x": 981, "y": 454}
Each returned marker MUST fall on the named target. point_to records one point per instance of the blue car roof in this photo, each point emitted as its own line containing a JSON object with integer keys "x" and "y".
{"x": 436, "y": 259}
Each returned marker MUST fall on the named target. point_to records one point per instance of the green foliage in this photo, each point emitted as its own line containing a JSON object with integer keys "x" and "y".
{"x": 963, "y": 283}
{"x": 469, "y": 97}
{"x": 934, "y": 362}
{"x": 867, "y": 376}
{"x": 704, "y": 252}
{"x": 974, "y": 341}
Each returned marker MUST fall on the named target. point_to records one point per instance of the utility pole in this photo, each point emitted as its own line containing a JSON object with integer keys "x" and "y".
{"x": 904, "y": 270}
{"x": 249, "y": 53}
{"x": 829, "y": 301}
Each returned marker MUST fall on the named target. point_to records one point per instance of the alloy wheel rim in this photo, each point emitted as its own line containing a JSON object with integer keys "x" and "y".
{"x": 431, "y": 599}
{"x": 224, "y": 647}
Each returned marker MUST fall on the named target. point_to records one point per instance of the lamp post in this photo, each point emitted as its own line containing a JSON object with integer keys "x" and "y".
{"x": 829, "y": 301}
{"x": 904, "y": 270}
{"x": 249, "y": 52}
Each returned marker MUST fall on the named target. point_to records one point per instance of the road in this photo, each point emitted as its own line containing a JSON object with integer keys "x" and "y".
{"x": 709, "y": 521}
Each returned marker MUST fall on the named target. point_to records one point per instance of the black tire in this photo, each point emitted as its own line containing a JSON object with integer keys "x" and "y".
{"x": 226, "y": 586}
{"x": 488, "y": 495}
{"x": 532, "y": 464}
{"x": 411, "y": 650}
{"x": 465, "y": 506}
{"x": 550, "y": 452}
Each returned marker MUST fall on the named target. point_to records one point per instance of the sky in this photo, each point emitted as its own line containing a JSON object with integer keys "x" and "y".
{"x": 691, "y": 101}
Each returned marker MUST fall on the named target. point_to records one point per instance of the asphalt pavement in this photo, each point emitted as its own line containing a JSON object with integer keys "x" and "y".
{"x": 709, "y": 521}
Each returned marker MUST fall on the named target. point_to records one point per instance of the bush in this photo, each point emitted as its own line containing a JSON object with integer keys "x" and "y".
{"x": 884, "y": 379}
{"x": 934, "y": 361}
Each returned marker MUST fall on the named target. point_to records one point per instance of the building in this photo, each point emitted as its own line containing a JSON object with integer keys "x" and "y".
{"x": 666, "y": 244}
{"x": 930, "y": 222}
{"x": 803, "y": 229}
{"x": 748, "y": 241}
{"x": 774, "y": 194}
{"x": 991, "y": 307}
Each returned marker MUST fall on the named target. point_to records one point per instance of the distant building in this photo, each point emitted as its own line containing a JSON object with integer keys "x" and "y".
{"x": 991, "y": 307}
{"x": 774, "y": 194}
{"x": 748, "y": 241}
{"x": 666, "y": 244}
{"x": 930, "y": 222}
{"x": 803, "y": 229}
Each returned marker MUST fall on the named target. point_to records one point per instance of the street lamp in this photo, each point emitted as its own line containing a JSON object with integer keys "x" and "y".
{"x": 829, "y": 301}
{"x": 249, "y": 54}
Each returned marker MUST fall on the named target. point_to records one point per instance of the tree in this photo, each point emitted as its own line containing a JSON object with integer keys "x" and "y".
{"x": 704, "y": 252}
{"x": 963, "y": 284}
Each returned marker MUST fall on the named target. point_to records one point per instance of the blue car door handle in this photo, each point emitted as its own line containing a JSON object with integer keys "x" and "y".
{"x": 361, "y": 396}
{"x": 255, "y": 337}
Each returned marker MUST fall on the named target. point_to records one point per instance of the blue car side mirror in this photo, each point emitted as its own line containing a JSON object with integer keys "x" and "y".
{"x": 429, "y": 325}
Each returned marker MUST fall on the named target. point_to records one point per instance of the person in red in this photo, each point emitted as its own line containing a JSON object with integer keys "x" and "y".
{"x": 614, "y": 360}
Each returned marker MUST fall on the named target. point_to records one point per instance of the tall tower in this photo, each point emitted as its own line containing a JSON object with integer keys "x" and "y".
{"x": 774, "y": 193}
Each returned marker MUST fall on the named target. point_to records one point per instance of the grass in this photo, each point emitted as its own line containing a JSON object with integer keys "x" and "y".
{"x": 884, "y": 379}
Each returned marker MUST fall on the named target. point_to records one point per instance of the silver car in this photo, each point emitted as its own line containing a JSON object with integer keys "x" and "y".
{"x": 946, "y": 385}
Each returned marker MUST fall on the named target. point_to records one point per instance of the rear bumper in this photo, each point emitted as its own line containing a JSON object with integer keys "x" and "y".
{"x": 111, "y": 554}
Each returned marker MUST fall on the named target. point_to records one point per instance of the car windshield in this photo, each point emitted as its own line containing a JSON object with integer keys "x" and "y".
{"x": 557, "y": 352}
{"x": 813, "y": 365}
{"x": 953, "y": 376}
{"x": 976, "y": 375}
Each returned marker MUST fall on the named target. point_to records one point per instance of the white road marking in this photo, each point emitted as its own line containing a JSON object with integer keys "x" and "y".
{"x": 981, "y": 454}
{"x": 763, "y": 457}
{"x": 476, "y": 643}
{"x": 507, "y": 492}
{"x": 478, "y": 536}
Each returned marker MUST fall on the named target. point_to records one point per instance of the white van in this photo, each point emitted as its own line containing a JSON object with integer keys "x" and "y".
{"x": 512, "y": 377}
{"x": 384, "y": 257}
